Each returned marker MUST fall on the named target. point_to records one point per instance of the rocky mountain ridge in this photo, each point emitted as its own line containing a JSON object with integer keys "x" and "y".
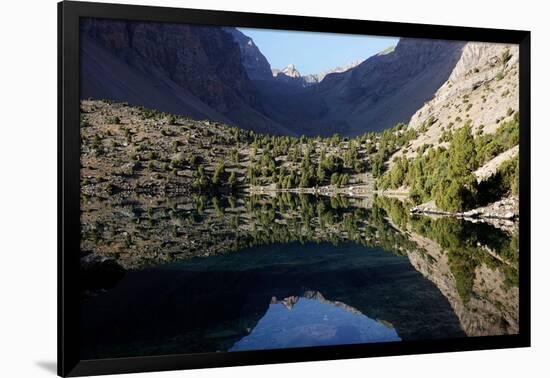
{"x": 220, "y": 74}
{"x": 482, "y": 88}
{"x": 289, "y": 71}
{"x": 382, "y": 91}
{"x": 463, "y": 159}
{"x": 317, "y": 78}
{"x": 182, "y": 69}
{"x": 291, "y": 74}
{"x": 255, "y": 63}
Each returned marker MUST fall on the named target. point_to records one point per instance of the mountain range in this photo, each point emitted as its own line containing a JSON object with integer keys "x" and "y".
{"x": 291, "y": 75}
{"x": 219, "y": 73}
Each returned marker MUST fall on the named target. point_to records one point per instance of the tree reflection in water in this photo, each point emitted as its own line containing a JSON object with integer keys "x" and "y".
{"x": 473, "y": 267}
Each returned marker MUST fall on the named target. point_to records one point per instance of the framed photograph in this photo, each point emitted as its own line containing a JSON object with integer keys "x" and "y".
{"x": 239, "y": 188}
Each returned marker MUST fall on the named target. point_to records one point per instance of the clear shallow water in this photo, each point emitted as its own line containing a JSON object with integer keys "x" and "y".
{"x": 310, "y": 322}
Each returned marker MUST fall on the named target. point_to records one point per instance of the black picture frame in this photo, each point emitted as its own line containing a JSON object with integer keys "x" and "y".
{"x": 69, "y": 13}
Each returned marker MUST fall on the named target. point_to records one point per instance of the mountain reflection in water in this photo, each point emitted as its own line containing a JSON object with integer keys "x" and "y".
{"x": 219, "y": 274}
{"x": 313, "y": 322}
{"x": 208, "y": 304}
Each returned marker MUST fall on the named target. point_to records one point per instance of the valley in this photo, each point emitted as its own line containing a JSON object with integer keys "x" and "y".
{"x": 219, "y": 193}
{"x": 390, "y": 122}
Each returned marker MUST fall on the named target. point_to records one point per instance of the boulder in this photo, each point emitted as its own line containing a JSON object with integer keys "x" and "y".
{"x": 509, "y": 215}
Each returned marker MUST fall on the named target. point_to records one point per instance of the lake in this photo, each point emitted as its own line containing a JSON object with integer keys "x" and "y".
{"x": 287, "y": 271}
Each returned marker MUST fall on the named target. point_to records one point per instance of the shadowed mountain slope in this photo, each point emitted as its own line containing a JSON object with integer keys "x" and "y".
{"x": 182, "y": 69}
{"x": 256, "y": 65}
{"x": 220, "y": 74}
{"x": 383, "y": 90}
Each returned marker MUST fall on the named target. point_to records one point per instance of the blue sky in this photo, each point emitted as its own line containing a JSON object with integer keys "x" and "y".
{"x": 314, "y": 52}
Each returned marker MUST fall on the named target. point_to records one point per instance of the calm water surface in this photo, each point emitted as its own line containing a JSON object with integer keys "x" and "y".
{"x": 385, "y": 278}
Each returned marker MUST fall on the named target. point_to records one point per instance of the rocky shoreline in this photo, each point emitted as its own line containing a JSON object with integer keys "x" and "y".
{"x": 505, "y": 209}
{"x": 360, "y": 190}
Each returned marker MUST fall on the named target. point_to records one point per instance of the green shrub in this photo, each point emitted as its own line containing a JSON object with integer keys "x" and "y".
{"x": 505, "y": 56}
{"x": 178, "y": 160}
{"x": 113, "y": 120}
{"x": 509, "y": 171}
{"x": 193, "y": 161}
{"x": 172, "y": 120}
{"x": 506, "y": 136}
{"x": 84, "y": 121}
{"x": 232, "y": 181}
{"x": 335, "y": 179}
{"x": 344, "y": 179}
{"x": 201, "y": 181}
{"x": 219, "y": 174}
